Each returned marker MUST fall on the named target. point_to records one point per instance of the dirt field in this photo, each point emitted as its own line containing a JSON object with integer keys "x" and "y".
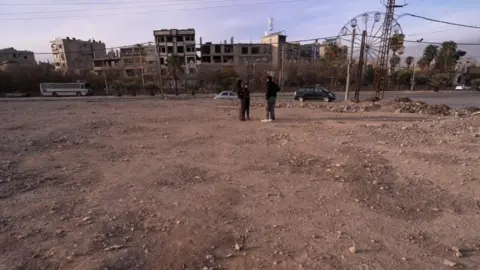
{"x": 185, "y": 185}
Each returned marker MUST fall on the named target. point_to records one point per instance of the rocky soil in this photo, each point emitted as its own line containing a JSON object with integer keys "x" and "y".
{"x": 185, "y": 185}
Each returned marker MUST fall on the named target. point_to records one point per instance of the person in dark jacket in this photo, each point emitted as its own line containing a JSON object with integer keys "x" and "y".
{"x": 246, "y": 93}
{"x": 271, "y": 97}
{"x": 241, "y": 97}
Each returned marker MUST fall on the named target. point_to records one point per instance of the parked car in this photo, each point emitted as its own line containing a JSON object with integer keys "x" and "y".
{"x": 228, "y": 95}
{"x": 314, "y": 93}
{"x": 462, "y": 87}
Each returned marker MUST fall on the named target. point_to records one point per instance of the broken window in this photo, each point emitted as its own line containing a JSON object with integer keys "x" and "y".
{"x": 217, "y": 59}
{"x": 228, "y": 49}
{"x": 190, "y": 48}
{"x": 205, "y": 49}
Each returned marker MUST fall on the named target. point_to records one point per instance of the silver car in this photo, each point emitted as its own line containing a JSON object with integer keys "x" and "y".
{"x": 226, "y": 95}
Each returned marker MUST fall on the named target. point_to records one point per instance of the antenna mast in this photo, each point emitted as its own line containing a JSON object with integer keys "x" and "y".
{"x": 380, "y": 83}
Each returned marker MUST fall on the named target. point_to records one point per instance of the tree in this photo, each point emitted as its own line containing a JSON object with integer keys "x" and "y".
{"x": 409, "y": 61}
{"x": 174, "y": 67}
{"x": 394, "y": 61}
{"x": 447, "y": 56}
{"x": 429, "y": 54}
{"x": 396, "y": 42}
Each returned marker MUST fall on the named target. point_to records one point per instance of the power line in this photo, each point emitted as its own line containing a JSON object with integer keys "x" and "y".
{"x": 150, "y": 11}
{"x": 116, "y": 8}
{"x": 440, "y": 21}
{"x": 93, "y": 3}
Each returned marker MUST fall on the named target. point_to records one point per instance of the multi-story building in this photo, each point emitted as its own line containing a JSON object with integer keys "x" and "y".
{"x": 235, "y": 56}
{"x": 139, "y": 60}
{"x": 179, "y": 43}
{"x": 109, "y": 62}
{"x": 75, "y": 55}
{"x": 10, "y": 57}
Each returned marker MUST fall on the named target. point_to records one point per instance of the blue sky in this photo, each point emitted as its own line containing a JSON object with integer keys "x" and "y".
{"x": 107, "y": 20}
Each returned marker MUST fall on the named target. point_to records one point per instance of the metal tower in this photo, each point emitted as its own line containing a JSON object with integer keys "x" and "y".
{"x": 380, "y": 82}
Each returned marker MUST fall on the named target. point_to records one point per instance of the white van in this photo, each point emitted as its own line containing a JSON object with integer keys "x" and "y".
{"x": 65, "y": 89}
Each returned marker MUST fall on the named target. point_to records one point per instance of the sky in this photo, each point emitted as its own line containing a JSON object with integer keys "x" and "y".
{"x": 31, "y": 24}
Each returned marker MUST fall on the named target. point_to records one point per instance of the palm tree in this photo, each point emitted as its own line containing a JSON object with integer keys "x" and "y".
{"x": 174, "y": 66}
{"x": 409, "y": 61}
{"x": 394, "y": 61}
{"x": 429, "y": 54}
{"x": 396, "y": 42}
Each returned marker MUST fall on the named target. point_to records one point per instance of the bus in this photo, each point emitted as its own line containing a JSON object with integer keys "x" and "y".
{"x": 65, "y": 89}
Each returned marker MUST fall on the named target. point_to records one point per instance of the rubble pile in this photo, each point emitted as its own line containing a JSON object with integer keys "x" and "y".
{"x": 406, "y": 105}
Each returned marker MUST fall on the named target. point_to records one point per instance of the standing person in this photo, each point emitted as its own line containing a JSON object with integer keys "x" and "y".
{"x": 246, "y": 92}
{"x": 241, "y": 97}
{"x": 271, "y": 97}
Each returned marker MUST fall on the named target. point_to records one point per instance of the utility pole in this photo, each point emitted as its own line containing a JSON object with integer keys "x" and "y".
{"x": 349, "y": 68}
{"x": 415, "y": 65}
{"x": 282, "y": 67}
{"x": 105, "y": 75}
{"x": 361, "y": 59}
{"x": 380, "y": 83}
{"x": 159, "y": 70}
{"x": 141, "y": 66}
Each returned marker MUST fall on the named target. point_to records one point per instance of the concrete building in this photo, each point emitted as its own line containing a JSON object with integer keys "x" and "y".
{"x": 176, "y": 42}
{"x": 75, "y": 55}
{"x": 234, "y": 56}
{"x": 10, "y": 57}
{"x": 109, "y": 62}
{"x": 138, "y": 59}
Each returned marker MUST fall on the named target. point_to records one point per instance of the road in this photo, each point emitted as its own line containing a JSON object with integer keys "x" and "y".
{"x": 455, "y": 99}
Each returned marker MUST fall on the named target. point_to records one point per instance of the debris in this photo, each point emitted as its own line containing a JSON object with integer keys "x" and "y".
{"x": 458, "y": 254}
{"x": 449, "y": 263}
{"x": 353, "y": 249}
{"x": 114, "y": 247}
{"x": 238, "y": 247}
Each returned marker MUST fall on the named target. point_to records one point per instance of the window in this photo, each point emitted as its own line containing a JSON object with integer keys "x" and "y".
{"x": 218, "y": 49}
{"x": 255, "y": 50}
{"x": 180, "y": 38}
{"x": 14, "y": 55}
{"x": 162, "y": 61}
{"x": 190, "y": 48}
{"x": 244, "y": 50}
{"x": 170, "y": 50}
{"x": 60, "y": 46}
{"x": 163, "y": 49}
{"x": 189, "y": 38}
{"x": 169, "y": 39}
{"x": 225, "y": 94}
{"x": 228, "y": 49}
{"x": 180, "y": 49}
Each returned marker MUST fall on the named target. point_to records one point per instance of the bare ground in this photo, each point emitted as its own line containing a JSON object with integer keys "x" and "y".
{"x": 184, "y": 185}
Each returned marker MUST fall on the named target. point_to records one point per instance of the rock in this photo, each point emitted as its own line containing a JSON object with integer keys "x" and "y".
{"x": 238, "y": 247}
{"x": 114, "y": 247}
{"x": 209, "y": 257}
{"x": 458, "y": 254}
{"x": 450, "y": 263}
{"x": 352, "y": 249}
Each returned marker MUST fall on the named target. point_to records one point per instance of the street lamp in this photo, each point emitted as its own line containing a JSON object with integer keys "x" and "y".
{"x": 415, "y": 65}
{"x": 353, "y": 24}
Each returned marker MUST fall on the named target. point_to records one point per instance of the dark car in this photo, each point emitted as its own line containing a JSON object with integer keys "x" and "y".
{"x": 314, "y": 93}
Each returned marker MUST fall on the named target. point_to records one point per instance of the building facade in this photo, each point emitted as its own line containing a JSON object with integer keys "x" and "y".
{"x": 179, "y": 43}
{"x": 235, "y": 56}
{"x": 75, "y": 55}
{"x": 109, "y": 62}
{"x": 10, "y": 57}
{"x": 138, "y": 60}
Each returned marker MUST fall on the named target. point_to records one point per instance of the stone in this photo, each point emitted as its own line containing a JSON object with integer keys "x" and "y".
{"x": 352, "y": 249}
{"x": 449, "y": 263}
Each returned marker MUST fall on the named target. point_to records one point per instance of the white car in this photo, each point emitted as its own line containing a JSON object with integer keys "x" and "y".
{"x": 462, "y": 87}
{"x": 228, "y": 95}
